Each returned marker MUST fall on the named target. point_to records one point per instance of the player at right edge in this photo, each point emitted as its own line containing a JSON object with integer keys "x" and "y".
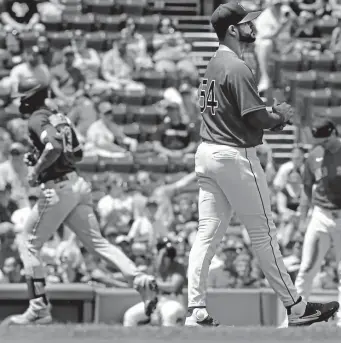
{"x": 230, "y": 175}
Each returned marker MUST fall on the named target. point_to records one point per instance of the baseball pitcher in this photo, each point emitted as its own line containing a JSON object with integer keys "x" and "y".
{"x": 65, "y": 197}
{"x": 229, "y": 172}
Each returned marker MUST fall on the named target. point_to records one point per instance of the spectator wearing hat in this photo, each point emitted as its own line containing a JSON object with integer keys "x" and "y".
{"x": 14, "y": 172}
{"x": 106, "y": 135}
{"x": 19, "y": 130}
{"x": 12, "y": 271}
{"x": 176, "y": 138}
{"x": 31, "y": 70}
{"x": 68, "y": 85}
{"x": 271, "y": 24}
{"x": 20, "y": 15}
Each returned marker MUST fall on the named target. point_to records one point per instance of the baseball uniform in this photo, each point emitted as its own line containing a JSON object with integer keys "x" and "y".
{"x": 71, "y": 204}
{"x": 231, "y": 177}
{"x": 322, "y": 177}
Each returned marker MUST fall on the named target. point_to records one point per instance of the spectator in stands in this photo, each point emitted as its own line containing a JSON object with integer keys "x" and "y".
{"x": 171, "y": 52}
{"x": 176, "y": 138}
{"x": 19, "y": 131}
{"x": 20, "y": 216}
{"x": 306, "y": 26}
{"x": 335, "y": 7}
{"x": 264, "y": 154}
{"x": 294, "y": 165}
{"x": 118, "y": 68}
{"x": 87, "y": 60}
{"x": 50, "y": 56}
{"x": 8, "y": 245}
{"x": 335, "y": 42}
{"x": 142, "y": 229}
{"x": 11, "y": 55}
{"x": 136, "y": 45}
{"x": 68, "y": 86}
{"x": 12, "y": 271}
{"x": 32, "y": 69}
{"x": 5, "y": 144}
{"x": 106, "y": 135}
{"x": 20, "y": 15}
{"x": 14, "y": 173}
{"x": 316, "y": 7}
{"x": 270, "y": 25}
{"x": 288, "y": 199}
{"x": 293, "y": 261}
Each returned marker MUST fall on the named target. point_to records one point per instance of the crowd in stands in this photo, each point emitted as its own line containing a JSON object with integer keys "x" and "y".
{"x": 134, "y": 100}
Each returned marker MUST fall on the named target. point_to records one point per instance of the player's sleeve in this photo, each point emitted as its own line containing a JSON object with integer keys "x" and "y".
{"x": 40, "y": 125}
{"x": 242, "y": 85}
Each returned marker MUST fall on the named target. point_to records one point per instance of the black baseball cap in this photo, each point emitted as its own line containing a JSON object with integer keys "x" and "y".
{"x": 322, "y": 128}
{"x": 231, "y": 13}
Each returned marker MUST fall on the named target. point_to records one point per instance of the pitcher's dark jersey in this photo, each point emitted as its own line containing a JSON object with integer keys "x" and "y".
{"x": 322, "y": 172}
{"x": 45, "y": 127}
{"x": 227, "y": 92}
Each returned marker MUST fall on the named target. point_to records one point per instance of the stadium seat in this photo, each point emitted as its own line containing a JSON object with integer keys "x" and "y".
{"x": 333, "y": 113}
{"x": 120, "y": 113}
{"x": 306, "y": 99}
{"x": 135, "y": 98}
{"x": 72, "y": 9}
{"x": 88, "y": 164}
{"x": 110, "y": 23}
{"x": 333, "y": 80}
{"x": 52, "y": 23}
{"x": 124, "y": 164}
{"x": 147, "y": 132}
{"x": 336, "y": 97}
{"x": 29, "y": 38}
{"x": 322, "y": 62}
{"x": 148, "y": 23}
{"x": 71, "y": 2}
{"x": 304, "y": 79}
{"x": 132, "y": 7}
{"x": 84, "y": 22}
{"x": 153, "y": 96}
{"x": 290, "y": 62}
{"x": 156, "y": 164}
{"x": 131, "y": 130}
{"x": 60, "y": 39}
{"x": 148, "y": 115}
{"x": 99, "y": 6}
{"x": 152, "y": 79}
{"x": 176, "y": 165}
{"x": 96, "y": 40}
{"x": 326, "y": 26}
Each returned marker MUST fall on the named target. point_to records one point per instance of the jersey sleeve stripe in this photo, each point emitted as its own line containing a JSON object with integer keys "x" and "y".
{"x": 253, "y": 109}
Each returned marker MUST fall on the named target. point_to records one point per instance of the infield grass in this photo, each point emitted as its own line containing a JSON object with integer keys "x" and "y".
{"x": 106, "y": 333}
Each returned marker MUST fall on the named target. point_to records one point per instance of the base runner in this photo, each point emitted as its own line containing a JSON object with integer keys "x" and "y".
{"x": 65, "y": 197}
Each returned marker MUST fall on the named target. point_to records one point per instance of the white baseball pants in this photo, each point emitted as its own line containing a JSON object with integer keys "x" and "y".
{"x": 232, "y": 179}
{"x": 323, "y": 233}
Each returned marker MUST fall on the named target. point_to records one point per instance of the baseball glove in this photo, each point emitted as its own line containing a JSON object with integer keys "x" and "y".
{"x": 286, "y": 112}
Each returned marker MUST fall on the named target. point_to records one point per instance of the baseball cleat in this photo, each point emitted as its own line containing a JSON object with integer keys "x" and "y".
{"x": 147, "y": 287}
{"x": 200, "y": 317}
{"x": 313, "y": 313}
{"x": 37, "y": 313}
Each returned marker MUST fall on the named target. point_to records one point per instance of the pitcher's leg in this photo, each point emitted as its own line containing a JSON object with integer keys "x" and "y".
{"x": 249, "y": 196}
{"x": 83, "y": 222}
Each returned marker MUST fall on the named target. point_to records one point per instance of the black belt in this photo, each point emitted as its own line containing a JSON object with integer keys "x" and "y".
{"x": 58, "y": 179}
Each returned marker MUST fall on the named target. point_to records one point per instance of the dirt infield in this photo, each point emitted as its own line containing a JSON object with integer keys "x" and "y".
{"x": 107, "y": 333}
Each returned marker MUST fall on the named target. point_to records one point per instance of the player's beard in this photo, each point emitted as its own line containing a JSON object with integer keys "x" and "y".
{"x": 247, "y": 37}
